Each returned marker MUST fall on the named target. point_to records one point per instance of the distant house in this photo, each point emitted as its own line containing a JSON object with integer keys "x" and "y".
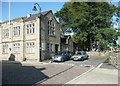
{"x": 21, "y": 37}
{"x": 66, "y": 43}
{"x": 118, "y": 40}
{"x": 69, "y": 32}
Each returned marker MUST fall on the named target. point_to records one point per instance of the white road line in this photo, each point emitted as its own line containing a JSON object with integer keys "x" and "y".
{"x": 80, "y": 75}
{"x": 99, "y": 65}
{"x": 50, "y": 61}
{"x": 64, "y": 64}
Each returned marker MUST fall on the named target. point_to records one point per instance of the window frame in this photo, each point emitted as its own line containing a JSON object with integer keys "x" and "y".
{"x": 16, "y": 48}
{"x": 5, "y": 33}
{"x": 30, "y": 47}
{"x": 51, "y": 27}
{"x": 30, "y": 29}
{"x": 5, "y": 49}
{"x": 16, "y": 31}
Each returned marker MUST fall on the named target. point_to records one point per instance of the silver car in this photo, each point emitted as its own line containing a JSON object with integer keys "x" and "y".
{"x": 61, "y": 56}
{"x": 80, "y": 55}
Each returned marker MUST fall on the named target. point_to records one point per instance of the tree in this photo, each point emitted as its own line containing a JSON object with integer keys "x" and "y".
{"x": 87, "y": 19}
{"x": 104, "y": 37}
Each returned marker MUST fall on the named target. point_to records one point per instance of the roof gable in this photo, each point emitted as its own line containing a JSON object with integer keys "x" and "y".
{"x": 32, "y": 17}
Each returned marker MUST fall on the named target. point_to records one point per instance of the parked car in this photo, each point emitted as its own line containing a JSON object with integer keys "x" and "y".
{"x": 61, "y": 56}
{"x": 80, "y": 55}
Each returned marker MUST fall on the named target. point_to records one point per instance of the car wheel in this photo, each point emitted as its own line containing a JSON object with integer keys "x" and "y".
{"x": 62, "y": 60}
{"x": 87, "y": 58}
{"x": 82, "y": 59}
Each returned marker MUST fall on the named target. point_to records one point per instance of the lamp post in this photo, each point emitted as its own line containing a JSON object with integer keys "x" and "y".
{"x": 35, "y": 9}
{"x": 90, "y": 32}
{"x": 90, "y": 39}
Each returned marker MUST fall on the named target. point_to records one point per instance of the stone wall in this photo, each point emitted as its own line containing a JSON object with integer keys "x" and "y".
{"x": 98, "y": 54}
{"x": 114, "y": 59}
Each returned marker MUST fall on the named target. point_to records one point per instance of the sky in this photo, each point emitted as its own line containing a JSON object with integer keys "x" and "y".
{"x": 21, "y": 9}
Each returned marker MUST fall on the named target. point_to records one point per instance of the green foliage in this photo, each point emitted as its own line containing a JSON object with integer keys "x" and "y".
{"x": 81, "y": 37}
{"x": 103, "y": 45}
{"x": 89, "y": 19}
{"x": 108, "y": 34}
{"x": 118, "y": 33}
{"x": 105, "y": 36}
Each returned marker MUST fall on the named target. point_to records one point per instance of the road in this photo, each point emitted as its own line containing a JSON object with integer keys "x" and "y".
{"x": 91, "y": 62}
{"x": 46, "y": 73}
{"x": 26, "y": 73}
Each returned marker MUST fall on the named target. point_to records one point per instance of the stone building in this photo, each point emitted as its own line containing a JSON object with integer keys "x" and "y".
{"x": 66, "y": 43}
{"x": 26, "y": 37}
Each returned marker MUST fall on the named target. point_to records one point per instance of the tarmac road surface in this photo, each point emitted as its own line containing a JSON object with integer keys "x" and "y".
{"x": 18, "y": 73}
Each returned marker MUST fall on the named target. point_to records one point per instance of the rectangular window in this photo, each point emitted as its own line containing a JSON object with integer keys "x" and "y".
{"x": 53, "y": 31}
{"x": 30, "y": 28}
{"x": 48, "y": 47}
{"x": 51, "y": 27}
{"x": 27, "y": 31}
{"x": 16, "y": 48}
{"x": 5, "y": 33}
{"x": 51, "y": 47}
{"x": 5, "y": 49}
{"x": 16, "y": 31}
{"x": 49, "y": 22}
{"x": 48, "y": 31}
{"x": 30, "y": 47}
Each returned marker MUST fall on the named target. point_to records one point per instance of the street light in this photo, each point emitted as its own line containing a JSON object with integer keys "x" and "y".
{"x": 90, "y": 39}
{"x": 35, "y": 9}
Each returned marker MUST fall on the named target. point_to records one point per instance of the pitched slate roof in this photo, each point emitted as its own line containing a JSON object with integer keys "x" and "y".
{"x": 32, "y": 17}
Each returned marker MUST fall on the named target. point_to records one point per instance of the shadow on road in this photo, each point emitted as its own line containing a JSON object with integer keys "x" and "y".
{"x": 15, "y": 73}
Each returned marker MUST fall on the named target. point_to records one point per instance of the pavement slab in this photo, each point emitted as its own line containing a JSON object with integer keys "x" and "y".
{"x": 97, "y": 76}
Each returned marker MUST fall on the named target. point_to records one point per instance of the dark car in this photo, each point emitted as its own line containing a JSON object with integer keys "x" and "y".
{"x": 62, "y": 56}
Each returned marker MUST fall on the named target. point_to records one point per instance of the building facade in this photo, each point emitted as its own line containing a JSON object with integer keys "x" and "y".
{"x": 26, "y": 37}
{"x": 66, "y": 43}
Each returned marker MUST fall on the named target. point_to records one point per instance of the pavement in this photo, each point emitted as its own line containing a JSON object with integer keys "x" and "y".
{"x": 97, "y": 76}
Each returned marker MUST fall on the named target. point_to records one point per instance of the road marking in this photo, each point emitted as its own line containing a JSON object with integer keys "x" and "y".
{"x": 85, "y": 60}
{"x": 80, "y": 75}
{"x": 99, "y": 65}
{"x": 50, "y": 61}
{"x": 63, "y": 63}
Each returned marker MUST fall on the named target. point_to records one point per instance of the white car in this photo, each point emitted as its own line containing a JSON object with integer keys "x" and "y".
{"x": 80, "y": 55}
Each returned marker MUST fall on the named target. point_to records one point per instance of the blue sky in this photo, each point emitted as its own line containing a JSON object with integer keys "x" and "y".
{"x": 21, "y": 9}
